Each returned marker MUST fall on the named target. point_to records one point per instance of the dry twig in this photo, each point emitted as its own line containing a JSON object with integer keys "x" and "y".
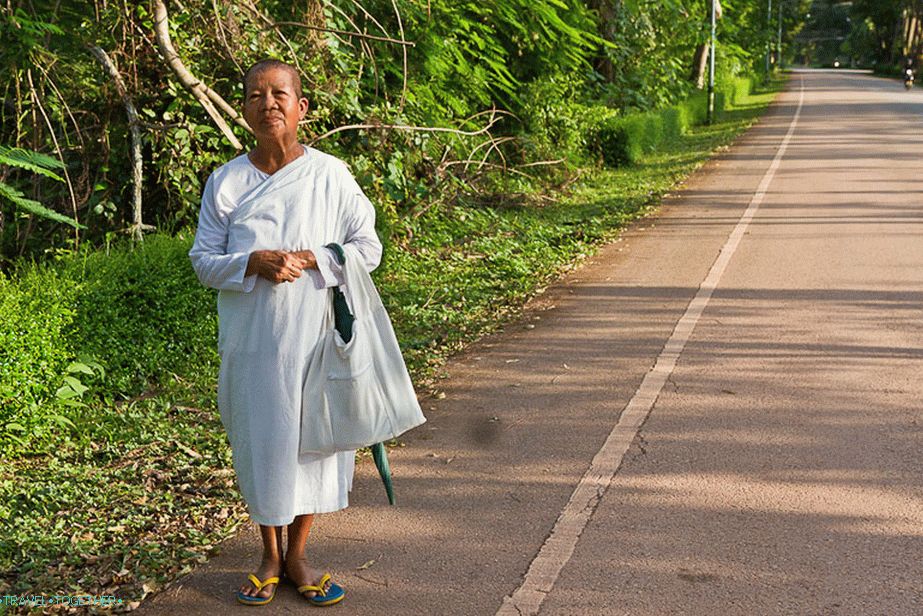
{"x": 423, "y": 129}
{"x": 57, "y": 146}
{"x": 138, "y": 227}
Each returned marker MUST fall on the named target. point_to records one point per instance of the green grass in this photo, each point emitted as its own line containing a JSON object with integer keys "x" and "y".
{"x": 144, "y": 491}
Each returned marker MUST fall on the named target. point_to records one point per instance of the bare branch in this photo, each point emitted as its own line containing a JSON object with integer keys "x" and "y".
{"x": 205, "y": 95}
{"x": 480, "y": 164}
{"x": 494, "y": 145}
{"x": 340, "y": 32}
{"x": 224, "y": 39}
{"x": 372, "y": 17}
{"x": 514, "y": 169}
{"x": 57, "y": 147}
{"x": 423, "y": 129}
{"x": 137, "y": 171}
{"x": 63, "y": 100}
{"x": 400, "y": 26}
{"x": 256, "y": 11}
{"x": 347, "y": 18}
{"x": 542, "y": 162}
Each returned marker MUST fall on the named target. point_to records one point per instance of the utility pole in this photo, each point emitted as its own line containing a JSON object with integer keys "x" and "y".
{"x": 779, "y": 52}
{"x": 711, "y": 64}
{"x": 768, "y": 39}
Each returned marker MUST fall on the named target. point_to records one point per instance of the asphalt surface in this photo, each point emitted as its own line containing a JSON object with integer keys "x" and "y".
{"x": 779, "y": 468}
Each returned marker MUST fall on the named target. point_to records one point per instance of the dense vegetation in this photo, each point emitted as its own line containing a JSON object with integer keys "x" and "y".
{"x": 500, "y": 94}
{"x": 863, "y": 33}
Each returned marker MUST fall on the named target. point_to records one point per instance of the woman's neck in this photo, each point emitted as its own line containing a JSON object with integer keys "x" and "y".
{"x": 269, "y": 158}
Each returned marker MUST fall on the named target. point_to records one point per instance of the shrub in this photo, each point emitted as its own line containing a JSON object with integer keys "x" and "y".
{"x": 36, "y": 308}
{"x": 622, "y": 140}
{"x": 138, "y": 311}
{"x": 142, "y": 313}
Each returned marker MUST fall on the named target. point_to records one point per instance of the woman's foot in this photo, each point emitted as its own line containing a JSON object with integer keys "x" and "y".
{"x": 269, "y": 567}
{"x": 301, "y": 573}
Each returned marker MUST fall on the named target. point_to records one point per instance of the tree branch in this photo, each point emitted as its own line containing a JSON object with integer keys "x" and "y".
{"x": 423, "y": 129}
{"x": 294, "y": 56}
{"x": 205, "y": 95}
{"x": 134, "y": 122}
{"x": 400, "y": 26}
{"x": 340, "y": 32}
{"x": 57, "y": 147}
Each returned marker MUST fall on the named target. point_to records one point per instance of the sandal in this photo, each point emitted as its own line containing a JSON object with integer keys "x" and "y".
{"x": 253, "y": 600}
{"x": 334, "y": 594}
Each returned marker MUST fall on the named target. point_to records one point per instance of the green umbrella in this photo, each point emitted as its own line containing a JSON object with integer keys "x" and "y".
{"x": 343, "y": 321}
{"x": 380, "y": 455}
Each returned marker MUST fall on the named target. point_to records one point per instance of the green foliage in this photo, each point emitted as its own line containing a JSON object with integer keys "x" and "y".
{"x": 547, "y": 63}
{"x": 37, "y": 163}
{"x": 36, "y": 312}
{"x": 135, "y": 311}
{"x": 140, "y": 310}
{"x": 624, "y": 140}
{"x": 876, "y": 32}
{"x": 555, "y": 124}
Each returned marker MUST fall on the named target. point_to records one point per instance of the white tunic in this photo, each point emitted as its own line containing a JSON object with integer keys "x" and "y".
{"x": 267, "y": 331}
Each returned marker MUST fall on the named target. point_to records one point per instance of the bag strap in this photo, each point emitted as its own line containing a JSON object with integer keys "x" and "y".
{"x": 343, "y": 319}
{"x": 338, "y": 252}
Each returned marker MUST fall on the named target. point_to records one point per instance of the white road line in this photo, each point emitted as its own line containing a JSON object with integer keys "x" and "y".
{"x": 560, "y": 544}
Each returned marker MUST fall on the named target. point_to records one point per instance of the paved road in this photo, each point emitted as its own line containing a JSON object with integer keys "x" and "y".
{"x": 764, "y": 330}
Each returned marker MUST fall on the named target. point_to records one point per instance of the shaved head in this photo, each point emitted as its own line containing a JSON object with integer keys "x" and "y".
{"x": 268, "y": 64}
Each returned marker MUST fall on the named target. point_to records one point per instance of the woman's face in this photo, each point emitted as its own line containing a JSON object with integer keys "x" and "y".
{"x": 272, "y": 107}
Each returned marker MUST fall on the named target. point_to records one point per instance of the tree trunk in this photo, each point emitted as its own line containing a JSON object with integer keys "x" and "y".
{"x": 699, "y": 66}
{"x": 137, "y": 167}
{"x": 700, "y": 57}
{"x": 608, "y": 11}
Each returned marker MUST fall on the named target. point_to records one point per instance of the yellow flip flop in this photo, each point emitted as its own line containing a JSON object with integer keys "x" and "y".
{"x": 252, "y": 600}
{"x": 322, "y": 598}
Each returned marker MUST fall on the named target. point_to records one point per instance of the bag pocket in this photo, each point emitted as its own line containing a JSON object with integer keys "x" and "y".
{"x": 349, "y": 359}
{"x": 352, "y": 389}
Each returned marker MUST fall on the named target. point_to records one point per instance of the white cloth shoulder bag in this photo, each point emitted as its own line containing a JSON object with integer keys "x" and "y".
{"x": 357, "y": 393}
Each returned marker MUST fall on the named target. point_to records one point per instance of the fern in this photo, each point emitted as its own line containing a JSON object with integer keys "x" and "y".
{"x": 35, "y": 162}
{"x": 40, "y": 164}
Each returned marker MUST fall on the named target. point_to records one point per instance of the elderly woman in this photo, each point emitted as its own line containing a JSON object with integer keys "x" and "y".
{"x": 265, "y": 219}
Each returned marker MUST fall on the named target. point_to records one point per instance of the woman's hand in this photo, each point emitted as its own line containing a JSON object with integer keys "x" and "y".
{"x": 279, "y": 265}
{"x": 308, "y": 257}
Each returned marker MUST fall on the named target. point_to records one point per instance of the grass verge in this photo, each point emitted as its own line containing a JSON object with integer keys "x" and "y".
{"x": 147, "y": 489}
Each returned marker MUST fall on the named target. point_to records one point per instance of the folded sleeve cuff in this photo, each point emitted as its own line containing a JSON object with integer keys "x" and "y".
{"x": 328, "y": 270}
{"x": 238, "y": 280}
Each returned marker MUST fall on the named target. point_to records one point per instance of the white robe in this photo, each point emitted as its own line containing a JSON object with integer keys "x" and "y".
{"x": 266, "y": 331}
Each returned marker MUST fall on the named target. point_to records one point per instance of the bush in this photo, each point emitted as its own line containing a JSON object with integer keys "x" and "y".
{"x": 622, "y": 140}
{"x": 137, "y": 311}
{"x": 36, "y": 309}
{"x": 142, "y": 313}
{"x": 732, "y": 92}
